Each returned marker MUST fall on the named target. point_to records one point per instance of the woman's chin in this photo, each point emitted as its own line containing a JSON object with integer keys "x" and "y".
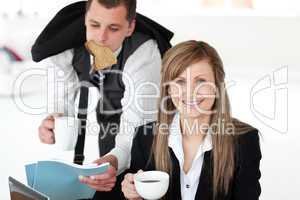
{"x": 192, "y": 112}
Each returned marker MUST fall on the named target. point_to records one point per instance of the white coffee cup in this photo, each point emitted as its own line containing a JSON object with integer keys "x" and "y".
{"x": 151, "y": 185}
{"x": 65, "y": 133}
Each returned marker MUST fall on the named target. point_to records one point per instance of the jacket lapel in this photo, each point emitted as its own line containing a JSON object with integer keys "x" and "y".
{"x": 174, "y": 191}
{"x": 204, "y": 190}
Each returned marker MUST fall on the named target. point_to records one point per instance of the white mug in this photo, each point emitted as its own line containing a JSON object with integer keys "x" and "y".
{"x": 151, "y": 185}
{"x": 65, "y": 132}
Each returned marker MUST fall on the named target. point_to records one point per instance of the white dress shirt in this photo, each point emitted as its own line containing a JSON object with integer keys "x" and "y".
{"x": 142, "y": 67}
{"x": 189, "y": 182}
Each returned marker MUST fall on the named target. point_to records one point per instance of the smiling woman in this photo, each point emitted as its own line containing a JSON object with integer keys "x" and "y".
{"x": 207, "y": 153}
{"x": 192, "y": 89}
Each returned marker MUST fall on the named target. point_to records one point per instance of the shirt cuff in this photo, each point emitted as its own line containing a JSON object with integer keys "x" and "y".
{"x": 123, "y": 159}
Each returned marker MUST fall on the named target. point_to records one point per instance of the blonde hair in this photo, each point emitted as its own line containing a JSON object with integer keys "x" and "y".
{"x": 175, "y": 61}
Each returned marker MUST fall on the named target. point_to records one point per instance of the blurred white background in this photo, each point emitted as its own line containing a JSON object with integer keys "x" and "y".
{"x": 258, "y": 41}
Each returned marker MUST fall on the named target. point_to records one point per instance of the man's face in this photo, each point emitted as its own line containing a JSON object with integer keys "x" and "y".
{"x": 108, "y": 27}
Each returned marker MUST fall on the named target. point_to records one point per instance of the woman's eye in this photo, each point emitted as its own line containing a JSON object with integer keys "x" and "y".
{"x": 180, "y": 82}
{"x": 200, "y": 81}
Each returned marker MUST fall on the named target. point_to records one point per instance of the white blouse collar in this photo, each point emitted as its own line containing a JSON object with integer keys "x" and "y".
{"x": 175, "y": 141}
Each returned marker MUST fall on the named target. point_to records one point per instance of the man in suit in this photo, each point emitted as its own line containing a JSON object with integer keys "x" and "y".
{"x": 137, "y": 42}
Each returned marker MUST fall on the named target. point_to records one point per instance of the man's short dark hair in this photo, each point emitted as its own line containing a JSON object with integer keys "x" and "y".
{"x": 130, "y": 6}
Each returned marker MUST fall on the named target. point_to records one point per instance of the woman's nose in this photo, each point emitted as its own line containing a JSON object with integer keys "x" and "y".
{"x": 188, "y": 92}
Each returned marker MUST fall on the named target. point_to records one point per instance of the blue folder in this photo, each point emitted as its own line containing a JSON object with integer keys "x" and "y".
{"x": 59, "y": 180}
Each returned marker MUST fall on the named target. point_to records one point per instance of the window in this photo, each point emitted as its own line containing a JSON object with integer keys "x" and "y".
{"x": 227, "y": 3}
{"x": 253, "y": 7}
